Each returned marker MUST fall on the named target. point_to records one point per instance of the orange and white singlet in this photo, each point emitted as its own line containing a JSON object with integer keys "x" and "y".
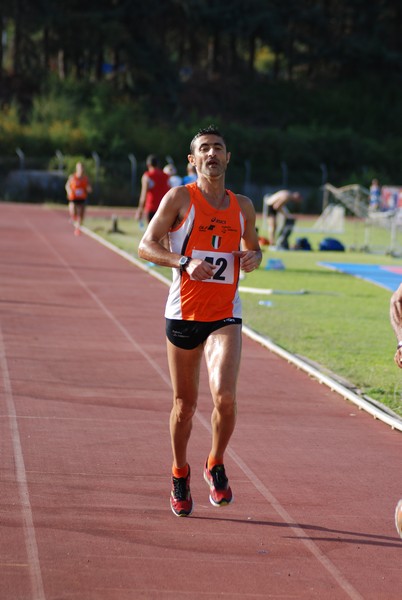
{"x": 78, "y": 188}
{"x": 210, "y": 235}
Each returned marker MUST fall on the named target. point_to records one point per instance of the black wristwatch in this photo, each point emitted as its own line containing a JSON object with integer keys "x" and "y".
{"x": 184, "y": 262}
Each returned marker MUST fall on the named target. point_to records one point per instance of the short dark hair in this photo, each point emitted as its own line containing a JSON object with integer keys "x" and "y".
{"x": 152, "y": 160}
{"x": 210, "y": 130}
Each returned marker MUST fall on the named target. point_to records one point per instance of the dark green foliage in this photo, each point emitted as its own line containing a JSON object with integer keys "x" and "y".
{"x": 297, "y": 83}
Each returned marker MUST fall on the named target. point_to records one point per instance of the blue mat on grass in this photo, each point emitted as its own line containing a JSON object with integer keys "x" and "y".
{"x": 388, "y": 277}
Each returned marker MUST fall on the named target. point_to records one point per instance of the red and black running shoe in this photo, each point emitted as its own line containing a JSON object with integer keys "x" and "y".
{"x": 181, "y": 502}
{"x": 220, "y": 492}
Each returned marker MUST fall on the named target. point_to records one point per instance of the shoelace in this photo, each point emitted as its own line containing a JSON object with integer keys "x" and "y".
{"x": 180, "y": 488}
{"x": 219, "y": 477}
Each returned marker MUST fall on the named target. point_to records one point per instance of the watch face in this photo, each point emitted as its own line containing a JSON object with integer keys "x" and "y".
{"x": 183, "y": 262}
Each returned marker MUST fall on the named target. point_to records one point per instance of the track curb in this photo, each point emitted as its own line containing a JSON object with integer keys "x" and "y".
{"x": 365, "y": 403}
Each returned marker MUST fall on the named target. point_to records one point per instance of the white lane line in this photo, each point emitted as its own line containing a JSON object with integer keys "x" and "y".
{"x": 297, "y": 530}
{"x": 102, "y": 306}
{"x": 264, "y": 491}
{"x": 364, "y": 403}
{"x": 38, "y": 592}
{"x": 293, "y": 525}
{"x": 251, "y": 476}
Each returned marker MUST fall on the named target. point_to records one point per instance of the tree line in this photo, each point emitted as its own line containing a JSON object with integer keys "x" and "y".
{"x": 133, "y": 40}
{"x": 304, "y": 82}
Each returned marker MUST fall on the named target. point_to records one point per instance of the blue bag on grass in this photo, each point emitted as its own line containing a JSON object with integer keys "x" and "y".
{"x": 332, "y": 245}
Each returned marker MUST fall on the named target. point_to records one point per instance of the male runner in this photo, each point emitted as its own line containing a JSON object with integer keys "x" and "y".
{"x": 212, "y": 235}
{"x": 277, "y": 204}
{"x": 154, "y": 185}
{"x": 77, "y": 187}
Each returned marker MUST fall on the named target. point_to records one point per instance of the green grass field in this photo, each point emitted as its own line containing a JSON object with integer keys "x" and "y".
{"x": 341, "y": 323}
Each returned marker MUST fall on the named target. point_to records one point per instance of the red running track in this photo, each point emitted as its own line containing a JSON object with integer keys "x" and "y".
{"x": 85, "y": 451}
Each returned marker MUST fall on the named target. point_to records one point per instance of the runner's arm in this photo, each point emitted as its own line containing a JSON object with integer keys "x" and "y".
{"x": 396, "y": 322}
{"x": 171, "y": 210}
{"x": 143, "y": 195}
{"x": 67, "y": 186}
{"x": 250, "y": 254}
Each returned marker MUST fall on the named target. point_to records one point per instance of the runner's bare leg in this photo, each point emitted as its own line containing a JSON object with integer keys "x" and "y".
{"x": 222, "y": 353}
{"x": 184, "y": 367}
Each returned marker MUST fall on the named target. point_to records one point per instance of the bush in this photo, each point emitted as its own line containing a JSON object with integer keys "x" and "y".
{"x": 269, "y": 128}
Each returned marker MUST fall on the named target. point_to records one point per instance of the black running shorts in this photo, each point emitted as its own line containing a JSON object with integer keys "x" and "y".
{"x": 190, "y": 334}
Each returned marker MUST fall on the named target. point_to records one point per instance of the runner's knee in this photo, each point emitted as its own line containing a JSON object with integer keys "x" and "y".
{"x": 225, "y": 403}
{"x": 183, "y": 409}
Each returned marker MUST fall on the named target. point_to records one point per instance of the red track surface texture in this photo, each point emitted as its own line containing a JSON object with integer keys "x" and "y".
{"x": 85, "y": 451}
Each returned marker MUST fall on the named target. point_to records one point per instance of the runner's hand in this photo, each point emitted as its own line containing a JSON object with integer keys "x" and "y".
{"x": 398, "y": 358}
{"x": 249, "y": 259}
{"x": 200, "y": 269}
